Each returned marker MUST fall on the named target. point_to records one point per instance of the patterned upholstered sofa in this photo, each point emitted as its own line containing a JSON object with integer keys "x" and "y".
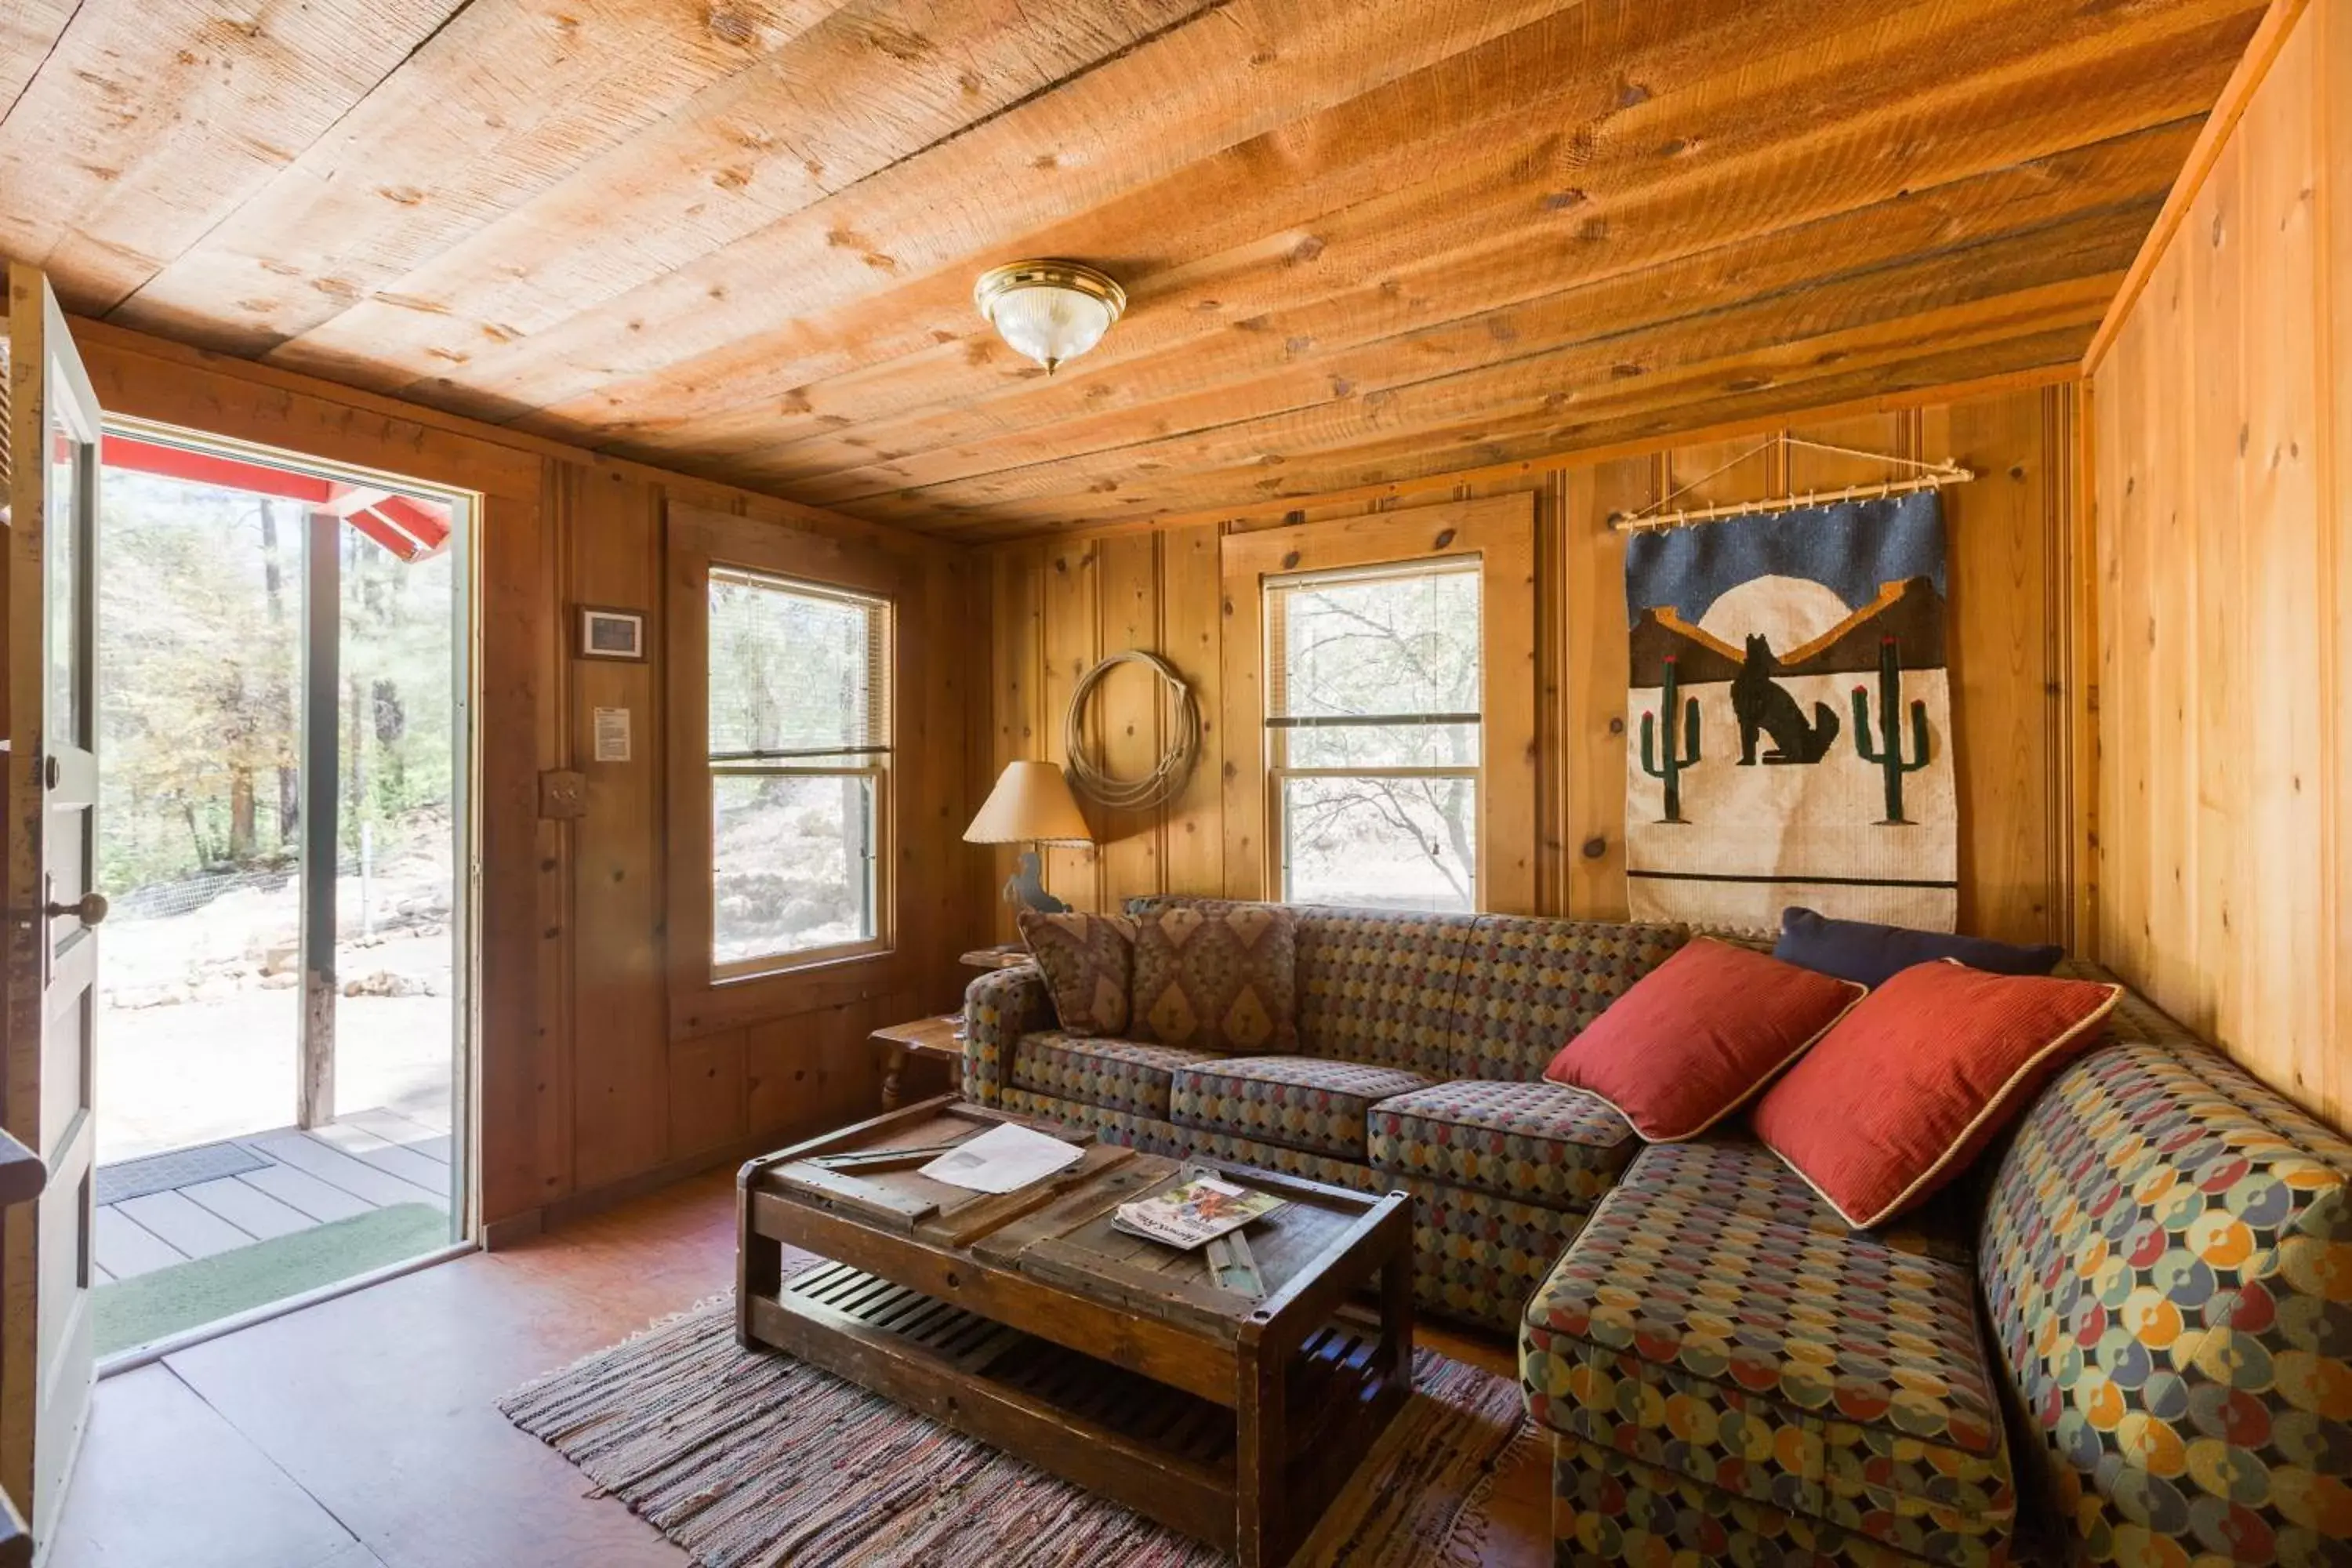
{"x": 1421, "y": 1044}
{"x": 2145, "y": 1289}
{"x": 2147, "y": 1292}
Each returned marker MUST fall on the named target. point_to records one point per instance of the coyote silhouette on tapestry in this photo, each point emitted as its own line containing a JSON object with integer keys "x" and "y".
{"x": 1792, "y": 718}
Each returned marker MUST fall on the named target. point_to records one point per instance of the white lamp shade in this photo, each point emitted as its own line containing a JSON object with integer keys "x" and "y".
{"x": 1032, "y": 802}
{"x": 1050, "y": 322}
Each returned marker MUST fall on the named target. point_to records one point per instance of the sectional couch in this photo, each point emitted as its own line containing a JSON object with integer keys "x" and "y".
{"x": 1421, "y": 1044}
{"x": 2145, "y": 1289}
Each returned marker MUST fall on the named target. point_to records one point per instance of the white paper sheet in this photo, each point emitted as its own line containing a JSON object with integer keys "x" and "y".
{"x": 1005, "y": 1158}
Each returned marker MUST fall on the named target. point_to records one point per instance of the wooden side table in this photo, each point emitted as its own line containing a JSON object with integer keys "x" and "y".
{"x": 939, "y": 1037}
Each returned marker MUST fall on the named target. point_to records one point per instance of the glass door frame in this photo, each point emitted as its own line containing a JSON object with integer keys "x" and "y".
{"x": 320, "y": 700}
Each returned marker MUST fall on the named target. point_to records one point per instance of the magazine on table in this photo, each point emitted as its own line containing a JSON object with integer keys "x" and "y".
{"x": 1194, "y": 1211}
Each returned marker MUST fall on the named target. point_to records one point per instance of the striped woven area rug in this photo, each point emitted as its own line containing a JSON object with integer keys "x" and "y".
{"x": 749, "y": 1459}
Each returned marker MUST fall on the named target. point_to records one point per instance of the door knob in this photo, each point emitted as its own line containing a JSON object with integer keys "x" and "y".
{"x": 89, "y": 909}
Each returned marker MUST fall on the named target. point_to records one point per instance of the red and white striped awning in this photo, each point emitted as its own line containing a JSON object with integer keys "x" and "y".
{"x": 412, "y": 527}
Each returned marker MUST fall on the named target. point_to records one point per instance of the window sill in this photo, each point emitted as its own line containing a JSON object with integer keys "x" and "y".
{"x": 816, "y": 962}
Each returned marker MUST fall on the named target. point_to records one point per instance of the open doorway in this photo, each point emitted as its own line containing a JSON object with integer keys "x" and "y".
{"x": 281, "y": 1050}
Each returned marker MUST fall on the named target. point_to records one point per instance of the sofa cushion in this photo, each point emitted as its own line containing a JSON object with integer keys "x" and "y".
{"x": 2166, "y": 1260}
{"x": 1299, "y": 1102}
{"x": 1529, "y": 986}
{"x": 1737, "y": 1174}
{"x": 1536, "y": 1142}
{"x": 1132, "y": 1075}
{"x": 1827, "y": 1374}
{"x": 1215, "y": 975}
{"x": 1089, "y": 962}
{"x": 1376, "y": 986}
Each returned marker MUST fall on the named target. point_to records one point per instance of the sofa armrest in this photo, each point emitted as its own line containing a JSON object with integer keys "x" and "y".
{"x": 998, "y": 1009}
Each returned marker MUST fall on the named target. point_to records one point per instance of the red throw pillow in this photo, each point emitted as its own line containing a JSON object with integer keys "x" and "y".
{"x": 1696, "y": 1036}
{"x": 1915, "y": 1082}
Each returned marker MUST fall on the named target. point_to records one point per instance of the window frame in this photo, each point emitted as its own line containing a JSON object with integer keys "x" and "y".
{"x": 1499, "y": 532}
{"x": 879, "y": 771}
{"x": 1280, "y": 728}
{"x": 704, "y": 991}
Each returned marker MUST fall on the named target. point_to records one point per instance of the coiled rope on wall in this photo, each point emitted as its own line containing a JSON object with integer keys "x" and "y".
{"x": 1163, "y": 782}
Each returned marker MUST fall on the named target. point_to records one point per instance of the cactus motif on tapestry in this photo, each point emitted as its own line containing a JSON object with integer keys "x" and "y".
{"x": 1668, "y": 764}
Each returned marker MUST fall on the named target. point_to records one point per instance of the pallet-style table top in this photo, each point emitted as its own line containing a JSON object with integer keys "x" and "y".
{"x": 1059, "y": 1230}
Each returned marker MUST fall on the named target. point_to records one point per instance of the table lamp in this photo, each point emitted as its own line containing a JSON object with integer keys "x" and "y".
{"x": 1031, "y": 804}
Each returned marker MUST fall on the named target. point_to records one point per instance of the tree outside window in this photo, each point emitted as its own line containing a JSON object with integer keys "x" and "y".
{"x": 799, "y": 754}
{"x": 1373, "y": 734}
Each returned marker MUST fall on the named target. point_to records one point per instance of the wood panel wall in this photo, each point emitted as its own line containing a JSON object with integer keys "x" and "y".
{"x": 1049, "y": 607}
{"x": 591, "y": 1083}
{"x": 2222, "y": 453}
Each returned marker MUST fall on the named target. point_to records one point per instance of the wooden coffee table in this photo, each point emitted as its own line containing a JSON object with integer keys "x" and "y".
{"x": 1025, "y": 1320}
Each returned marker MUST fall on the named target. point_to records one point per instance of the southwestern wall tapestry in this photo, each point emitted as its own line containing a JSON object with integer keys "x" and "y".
{"x": 1791, "y": 722}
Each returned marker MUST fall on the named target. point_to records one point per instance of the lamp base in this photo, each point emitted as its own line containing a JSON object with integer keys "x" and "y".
{"x": 1026, "y": 891}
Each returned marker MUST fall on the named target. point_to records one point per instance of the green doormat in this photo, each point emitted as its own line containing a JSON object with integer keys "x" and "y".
{"x": 147, "y": 1306}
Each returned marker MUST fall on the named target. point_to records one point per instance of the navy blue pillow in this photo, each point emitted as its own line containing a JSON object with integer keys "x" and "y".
{"x": 1857, "y": 949}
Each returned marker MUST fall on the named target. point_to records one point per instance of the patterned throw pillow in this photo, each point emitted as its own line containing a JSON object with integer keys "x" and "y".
{"x": 1217, "y": 976}
{"x": 1089, "y": 962}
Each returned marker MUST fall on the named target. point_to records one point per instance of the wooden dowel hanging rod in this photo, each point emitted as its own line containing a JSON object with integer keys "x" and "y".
{"x": 1796, "y": 502}
{"x": 1923, "y": 477}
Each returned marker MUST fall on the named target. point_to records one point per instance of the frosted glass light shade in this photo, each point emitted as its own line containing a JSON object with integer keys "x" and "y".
{"x": 1049, "y": 311}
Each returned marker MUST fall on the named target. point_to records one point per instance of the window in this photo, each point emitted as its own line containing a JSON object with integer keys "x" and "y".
{"x": 1373, "y": 734}
{"x": 800, "y": 768}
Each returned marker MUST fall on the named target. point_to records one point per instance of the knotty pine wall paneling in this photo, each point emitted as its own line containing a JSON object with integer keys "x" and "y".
{"x": 794, "y": 1043}
{"x": 2221, "y": 440}
{"x": 593, "y": 1081}
{"x": 1056, "y": 604}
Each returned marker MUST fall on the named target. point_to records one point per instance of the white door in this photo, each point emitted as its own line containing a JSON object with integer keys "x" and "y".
{"x": 51, "y": 963}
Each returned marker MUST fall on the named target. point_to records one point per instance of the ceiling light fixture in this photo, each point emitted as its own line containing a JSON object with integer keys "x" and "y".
{"x": 1049, "y": 311}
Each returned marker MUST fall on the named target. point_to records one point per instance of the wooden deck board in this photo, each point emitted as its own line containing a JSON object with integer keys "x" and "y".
{"x": 305, "y": 1193}
{"x": 385, "y": 1154}
{"x": 249, "y": 1207}
{"x": 194, "y": 1230}
{"x": 370, "y": 1161}
{"x": 381, "y": 1188}
{"x": 125, "y": 1249}
{"x": 394, "y": 1128}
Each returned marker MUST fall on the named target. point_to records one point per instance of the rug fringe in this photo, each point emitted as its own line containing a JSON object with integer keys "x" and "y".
{"x": 1465, "y": 1542}
{"x": 516, "y": 1395}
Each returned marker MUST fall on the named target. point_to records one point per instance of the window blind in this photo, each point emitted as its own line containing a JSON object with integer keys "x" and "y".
{"x": 799, "y": 672}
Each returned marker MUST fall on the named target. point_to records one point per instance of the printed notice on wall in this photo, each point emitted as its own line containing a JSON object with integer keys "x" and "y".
{"x": 612, "y": 734}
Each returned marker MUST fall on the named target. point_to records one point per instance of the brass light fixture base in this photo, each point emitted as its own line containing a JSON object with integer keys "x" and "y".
{"x": 1076, "y": 275}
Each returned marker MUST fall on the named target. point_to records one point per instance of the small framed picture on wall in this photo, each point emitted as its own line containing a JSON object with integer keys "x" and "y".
{"x": 611, "y": 634}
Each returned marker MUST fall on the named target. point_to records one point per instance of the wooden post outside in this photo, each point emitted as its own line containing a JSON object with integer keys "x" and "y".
{"x": 322, "y": 779}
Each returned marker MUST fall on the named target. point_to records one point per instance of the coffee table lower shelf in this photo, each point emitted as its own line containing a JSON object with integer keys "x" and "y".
{"x": 1167, "y": 1454}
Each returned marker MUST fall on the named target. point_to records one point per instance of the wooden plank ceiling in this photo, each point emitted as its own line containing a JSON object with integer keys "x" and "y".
{"x": 1363, "y": 240}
